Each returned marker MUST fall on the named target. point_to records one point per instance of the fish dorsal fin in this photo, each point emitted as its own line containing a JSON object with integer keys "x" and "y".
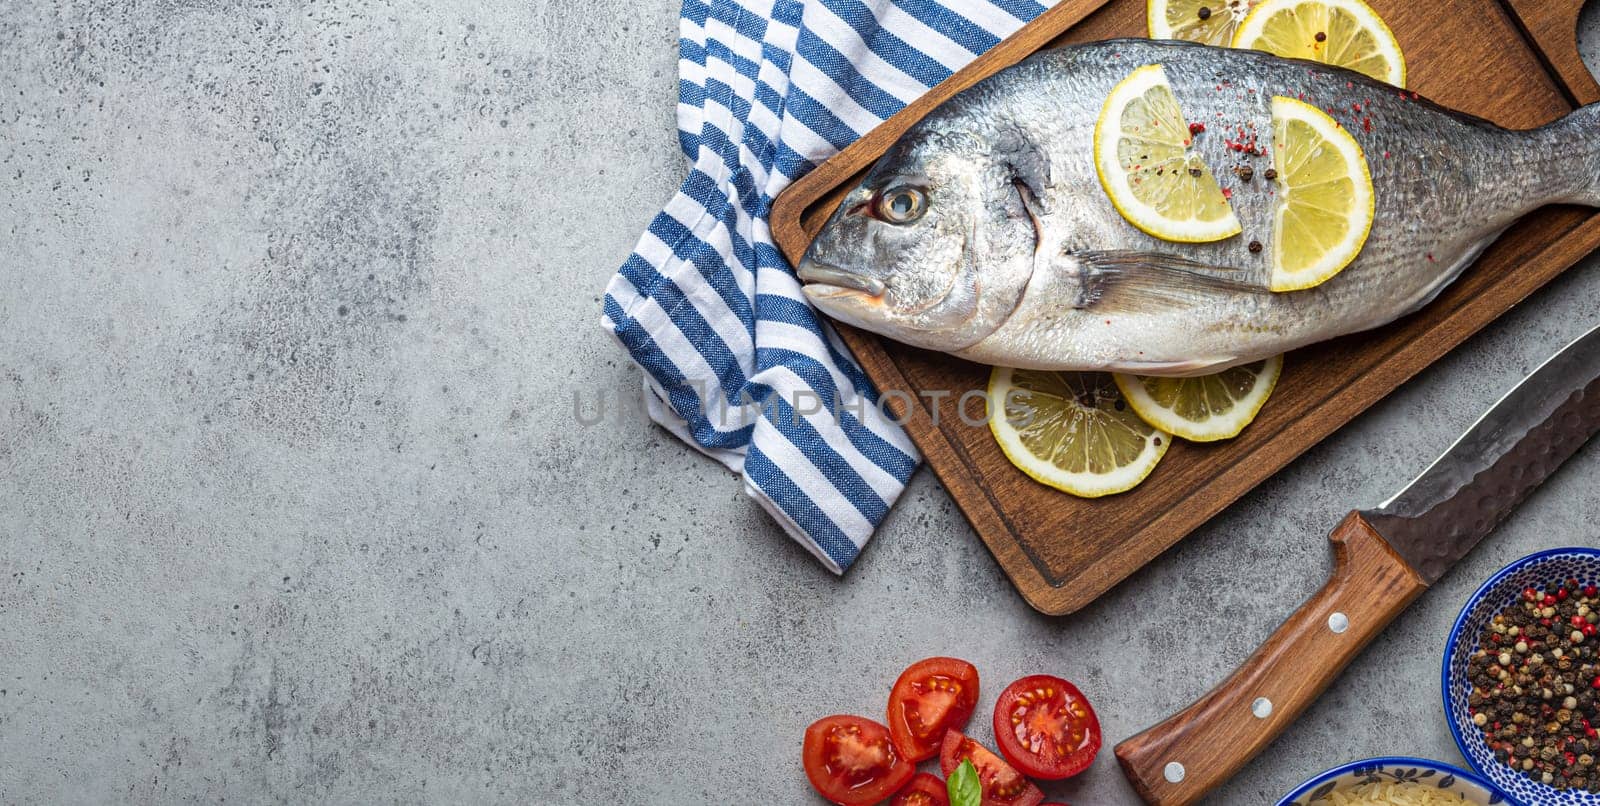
{"x": 1125, "y": 280}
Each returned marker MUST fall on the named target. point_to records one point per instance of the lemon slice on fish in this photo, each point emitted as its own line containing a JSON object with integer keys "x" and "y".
{"x": 1324, "y": 203}
{"x": 1346, "y": 33}
{"x": 1141, "y": 146}
{"x": 1207, "y": 408}
{"x": 1072, "y": 430}
{"x": 1209, "y": 21}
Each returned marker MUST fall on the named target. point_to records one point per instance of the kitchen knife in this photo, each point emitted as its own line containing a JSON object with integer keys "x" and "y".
{"x": 1383, "y": 559}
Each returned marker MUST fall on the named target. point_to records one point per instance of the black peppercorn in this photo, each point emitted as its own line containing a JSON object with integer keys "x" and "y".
{"x": 1533, "y": 684}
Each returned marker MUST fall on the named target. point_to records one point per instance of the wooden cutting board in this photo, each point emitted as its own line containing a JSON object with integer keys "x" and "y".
{"x": 1514, "y": 62}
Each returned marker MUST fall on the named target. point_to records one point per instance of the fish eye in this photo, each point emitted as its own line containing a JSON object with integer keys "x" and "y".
{"x": 901, "y": 205}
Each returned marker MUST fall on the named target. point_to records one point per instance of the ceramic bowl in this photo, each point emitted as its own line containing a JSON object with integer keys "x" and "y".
{"x": 1502, "y": 589}
{"x": 1397, "y": 768}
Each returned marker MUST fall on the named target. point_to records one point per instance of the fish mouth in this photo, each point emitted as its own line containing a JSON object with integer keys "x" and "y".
{"x": 821, "y": 280}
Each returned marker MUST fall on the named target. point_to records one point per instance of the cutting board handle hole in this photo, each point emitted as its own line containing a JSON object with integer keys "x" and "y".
{"x": 1588, "y": 35}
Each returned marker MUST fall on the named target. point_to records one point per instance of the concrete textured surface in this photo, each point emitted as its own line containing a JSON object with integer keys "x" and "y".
{"x": 293, "y": 503}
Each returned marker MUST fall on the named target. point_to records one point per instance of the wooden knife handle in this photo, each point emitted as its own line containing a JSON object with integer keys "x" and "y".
{"x": 1181, "y": 759}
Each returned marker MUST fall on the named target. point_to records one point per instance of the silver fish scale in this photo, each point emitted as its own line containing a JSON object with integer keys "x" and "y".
{"x": 1445, "y": 184}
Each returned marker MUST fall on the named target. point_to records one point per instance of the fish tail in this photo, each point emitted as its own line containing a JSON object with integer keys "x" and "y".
{"x": 1571, "y": 147}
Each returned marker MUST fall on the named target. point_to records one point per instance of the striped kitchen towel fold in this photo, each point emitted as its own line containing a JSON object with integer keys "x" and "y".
{"x": 735, "y": 361}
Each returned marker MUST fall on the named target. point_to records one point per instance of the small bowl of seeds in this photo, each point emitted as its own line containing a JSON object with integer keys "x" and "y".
{"x": 1521, "y": 679}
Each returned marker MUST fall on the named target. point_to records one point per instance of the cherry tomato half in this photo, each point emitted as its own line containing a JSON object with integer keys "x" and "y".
{"x": 852, "y": 761}
{"x": 1002, "y": 785}
{"x": 932, "y": 696}
{"x": 1045, "y": 727}
{"x": 924, "y": 790}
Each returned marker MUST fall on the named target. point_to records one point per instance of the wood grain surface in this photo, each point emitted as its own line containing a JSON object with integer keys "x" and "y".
{"x": 1478, "y": 56}
{"x": 1552, "y": 27}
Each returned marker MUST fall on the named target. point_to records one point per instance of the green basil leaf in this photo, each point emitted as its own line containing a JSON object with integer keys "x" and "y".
{"x": 963, "y": 786}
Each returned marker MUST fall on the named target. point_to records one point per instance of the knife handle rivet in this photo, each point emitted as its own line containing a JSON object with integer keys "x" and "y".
{"x": 1174, "y": 772}
{"x": 1338, "y": 623}
{"x": 1262, "y": 708}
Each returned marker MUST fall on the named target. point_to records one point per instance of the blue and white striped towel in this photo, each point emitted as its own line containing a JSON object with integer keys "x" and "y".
{"x": 706, "y": 304}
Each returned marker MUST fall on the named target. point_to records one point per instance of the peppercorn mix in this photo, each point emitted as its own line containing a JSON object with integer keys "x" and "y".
{"x": 1536, "y": 685}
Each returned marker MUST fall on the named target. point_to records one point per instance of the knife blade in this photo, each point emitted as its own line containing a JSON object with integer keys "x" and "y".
{"x": 1383, "y": 559}
{"x": 1515, "y": 446}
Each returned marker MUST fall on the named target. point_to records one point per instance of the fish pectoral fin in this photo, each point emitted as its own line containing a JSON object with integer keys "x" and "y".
{"x": 1129, "y": 280}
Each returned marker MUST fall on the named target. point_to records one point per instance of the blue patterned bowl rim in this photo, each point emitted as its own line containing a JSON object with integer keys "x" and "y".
{"x": 1389, "y": 761}
{"x": 1456, "y": 635}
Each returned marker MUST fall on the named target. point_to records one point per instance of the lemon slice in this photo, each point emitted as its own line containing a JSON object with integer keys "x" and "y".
{"x": 1072, "y": 430}
{"x": 1340, "y": 32}
{"x": 1324, "y": 203}
{"x": 1141, "y": 146}
{"x": 1207, "y": 408}
{"x": 1210, "y": 21}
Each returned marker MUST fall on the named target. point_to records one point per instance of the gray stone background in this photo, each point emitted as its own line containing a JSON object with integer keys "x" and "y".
{"x": 293, "y": 507}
